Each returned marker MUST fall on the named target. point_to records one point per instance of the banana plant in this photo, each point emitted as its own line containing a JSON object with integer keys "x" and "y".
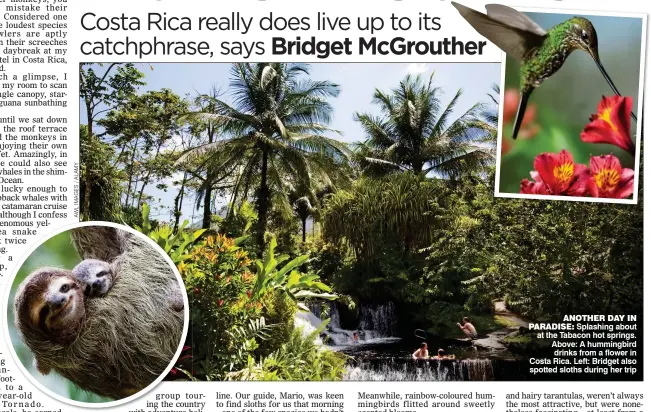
{"x": 298, "y": 286}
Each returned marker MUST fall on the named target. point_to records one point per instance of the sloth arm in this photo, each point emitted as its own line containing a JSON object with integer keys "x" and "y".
{"x": 98, "y": 242}
{"x": 176, "y": 300}
{"x": 41, "y": 366}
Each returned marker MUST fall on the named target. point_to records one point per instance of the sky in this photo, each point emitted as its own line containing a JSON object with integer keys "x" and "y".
{"x": 357, "y": 82}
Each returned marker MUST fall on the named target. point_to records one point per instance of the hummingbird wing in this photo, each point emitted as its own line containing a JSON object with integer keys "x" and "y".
{"x": 514, "y": 18}
{"x": 512, "y": 40}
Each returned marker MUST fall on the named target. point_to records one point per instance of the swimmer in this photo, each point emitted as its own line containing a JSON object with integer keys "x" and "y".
{"x": 421, "y": 353}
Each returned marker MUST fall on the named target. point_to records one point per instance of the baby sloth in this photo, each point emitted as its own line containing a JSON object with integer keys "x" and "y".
{"x": 97, "y": 276}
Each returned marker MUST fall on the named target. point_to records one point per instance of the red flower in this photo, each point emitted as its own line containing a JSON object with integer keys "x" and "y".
{"x": 609, "y": 179}
{"x": 249, "y": 294}
{"x": 611, "y": 124}
{"x": 556, "y": 174}
{"x": 197, "y": 291}
{"x": 537, "y": 187}
{"x": 220, "y": 302}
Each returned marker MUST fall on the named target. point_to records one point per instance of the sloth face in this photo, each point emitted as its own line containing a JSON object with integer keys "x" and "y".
{"x": 59, "y": 305}
{"x": 96, "y": 275}
{"x": 50, "y": 303}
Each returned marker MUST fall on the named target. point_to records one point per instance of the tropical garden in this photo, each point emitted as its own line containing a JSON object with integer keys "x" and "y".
{"x": 291, "y": 215}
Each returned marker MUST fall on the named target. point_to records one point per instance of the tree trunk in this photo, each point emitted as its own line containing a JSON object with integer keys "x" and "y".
{"x": 135, "y": 187}
{"x": 133, "y": 156}
{"x": 119, "y": 155}
{"x": 207, "y": 213}
{"x": 417, "y": 165}
{"x": 263, "y": 202}
{"x": 178, "y": 203}
{"x": 89, "y": 180}
{"x": 145, "y": 181}
{"x": 207, "y": 198}
{"x": 304, "y": 228}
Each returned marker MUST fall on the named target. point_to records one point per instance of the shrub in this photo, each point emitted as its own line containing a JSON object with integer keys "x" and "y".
{"x": 299, "y": 359}
{"x": 238, "y": 318}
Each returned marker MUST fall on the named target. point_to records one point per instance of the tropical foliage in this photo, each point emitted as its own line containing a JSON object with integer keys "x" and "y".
{"x": 243, "y": 308}
{"x": 275, "y": 135}
{"x": 419, "y": 133}
{"x": 290, "y": 214}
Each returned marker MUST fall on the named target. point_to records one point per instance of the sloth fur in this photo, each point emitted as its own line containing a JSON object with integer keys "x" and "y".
{"x": 129, "y": 336}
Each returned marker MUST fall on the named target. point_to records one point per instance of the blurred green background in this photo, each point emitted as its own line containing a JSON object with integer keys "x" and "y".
{"x": 565, "y": 101}
{"x": 57, "y": 252}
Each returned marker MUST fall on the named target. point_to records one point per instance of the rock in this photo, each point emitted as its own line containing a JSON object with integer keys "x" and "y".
{"x": 490, "y": 343}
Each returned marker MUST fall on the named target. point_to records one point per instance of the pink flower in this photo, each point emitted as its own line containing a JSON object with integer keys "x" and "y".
{"x": 608, "y": 179}
{"x": 611, "y": 124}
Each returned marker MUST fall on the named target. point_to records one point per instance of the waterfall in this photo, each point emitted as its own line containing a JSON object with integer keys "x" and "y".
{"x": 308, "y": 322}
{"x": 380, "y": 318}
{"x": 410, "y": 370}
{"x": 376, "y": 324}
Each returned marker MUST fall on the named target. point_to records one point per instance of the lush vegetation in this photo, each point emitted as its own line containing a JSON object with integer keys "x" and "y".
{"x": 291, "y": 214}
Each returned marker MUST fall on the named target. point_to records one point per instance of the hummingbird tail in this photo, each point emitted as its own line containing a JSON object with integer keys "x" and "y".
{"x": 522, "y": 107}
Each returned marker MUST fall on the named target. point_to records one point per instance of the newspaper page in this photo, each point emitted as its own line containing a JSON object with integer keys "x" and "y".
{"x": 391, "y": 206}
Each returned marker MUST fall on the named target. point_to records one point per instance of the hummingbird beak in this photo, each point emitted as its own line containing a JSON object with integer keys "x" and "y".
{"x": 609, "y": 80}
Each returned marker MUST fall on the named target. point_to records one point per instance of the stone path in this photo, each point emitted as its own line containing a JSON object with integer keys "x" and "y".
{"x": 493, "y": 341}
{"x": 500, "y": 309}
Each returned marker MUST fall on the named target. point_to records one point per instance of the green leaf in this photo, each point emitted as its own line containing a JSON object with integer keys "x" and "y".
{"x": 293, "y": 264}
{"x": 293, "y": 279}
{"x": 241, "y": 239}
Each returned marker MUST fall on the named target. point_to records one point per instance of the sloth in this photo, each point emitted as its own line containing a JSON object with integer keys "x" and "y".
{"x": 51, "y": 301}
{"x": 113, "y": 345}
{"x": 96, "y": 275}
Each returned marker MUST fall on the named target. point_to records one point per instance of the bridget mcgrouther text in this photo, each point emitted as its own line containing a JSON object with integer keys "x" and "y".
{"x": 398, "y": 46}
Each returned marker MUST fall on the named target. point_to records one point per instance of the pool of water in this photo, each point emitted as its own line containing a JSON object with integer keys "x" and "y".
{"x": 392, "y": 361}
{"x": 380, "y": 356}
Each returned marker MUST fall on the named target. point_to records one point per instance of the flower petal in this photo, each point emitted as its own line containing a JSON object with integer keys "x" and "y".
{"x": 611, "y": 124}
{"x": 533, "y": 188}
{"x": 626, "y": 184}
{"x": 544, "y": 164}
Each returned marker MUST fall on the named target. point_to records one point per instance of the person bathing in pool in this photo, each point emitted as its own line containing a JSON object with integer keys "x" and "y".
{"x": 421, "y": 353}
{"x": 441, "y": 355}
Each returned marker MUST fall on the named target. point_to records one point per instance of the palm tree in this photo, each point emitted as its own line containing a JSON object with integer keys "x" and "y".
{"x": 490, "y": 114}
{"x": 417, "y": 133}
{"x": 273, "y": 134}
{"x": 304, "y": 210}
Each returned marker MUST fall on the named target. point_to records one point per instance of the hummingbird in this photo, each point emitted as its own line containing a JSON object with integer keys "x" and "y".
{"x": 541, "y": 53}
